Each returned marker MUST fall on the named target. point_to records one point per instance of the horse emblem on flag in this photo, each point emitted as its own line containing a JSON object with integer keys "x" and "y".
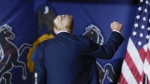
{"x": 9, "y": 54}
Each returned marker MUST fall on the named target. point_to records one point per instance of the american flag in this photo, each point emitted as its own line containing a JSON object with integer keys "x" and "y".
{"x": 136, "y": 64}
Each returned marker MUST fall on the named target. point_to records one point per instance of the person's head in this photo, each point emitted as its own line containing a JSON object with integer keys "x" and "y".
{"x": 63, "y": 23}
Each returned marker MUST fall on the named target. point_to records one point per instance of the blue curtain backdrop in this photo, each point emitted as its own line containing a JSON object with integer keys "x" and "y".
{"x": 22, "y": 17}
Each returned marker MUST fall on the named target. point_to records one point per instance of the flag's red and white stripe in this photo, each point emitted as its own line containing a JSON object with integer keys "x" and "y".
{"x": 132, "y": 67}
{"x": 147, "y": 63}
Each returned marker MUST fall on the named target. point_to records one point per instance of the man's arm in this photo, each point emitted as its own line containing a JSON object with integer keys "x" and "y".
{"x": 108, "y": 50}
{"x": 39, "y": 67}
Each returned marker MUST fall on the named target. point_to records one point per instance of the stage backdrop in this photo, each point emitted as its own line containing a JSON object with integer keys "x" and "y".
{"x": 23, "y": 24}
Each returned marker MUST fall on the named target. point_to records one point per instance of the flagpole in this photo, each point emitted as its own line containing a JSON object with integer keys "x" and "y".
{"x": 145, "y": 79}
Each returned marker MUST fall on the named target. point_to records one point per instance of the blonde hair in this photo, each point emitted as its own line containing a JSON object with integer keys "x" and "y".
{"x": 64, "y": 23}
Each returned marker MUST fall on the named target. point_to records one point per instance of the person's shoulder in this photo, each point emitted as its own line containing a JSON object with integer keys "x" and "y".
{"x": 43, "y": 43}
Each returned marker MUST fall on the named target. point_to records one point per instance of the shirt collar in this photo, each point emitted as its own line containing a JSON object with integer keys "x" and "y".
{"x": 62, "y": 31}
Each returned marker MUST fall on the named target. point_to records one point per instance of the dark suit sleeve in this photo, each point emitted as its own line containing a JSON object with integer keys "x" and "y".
{"x": 39, "y": 67}
{"x": 107, "y": 50}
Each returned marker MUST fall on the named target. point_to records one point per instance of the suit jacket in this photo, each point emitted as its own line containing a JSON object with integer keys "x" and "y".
{"x": 71, "y": 59}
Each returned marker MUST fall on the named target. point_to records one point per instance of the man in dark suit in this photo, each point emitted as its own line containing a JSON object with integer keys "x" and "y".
{"x": 71, "y": 59}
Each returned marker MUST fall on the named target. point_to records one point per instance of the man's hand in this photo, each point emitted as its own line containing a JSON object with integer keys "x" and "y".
{"x": 116, "y": 26}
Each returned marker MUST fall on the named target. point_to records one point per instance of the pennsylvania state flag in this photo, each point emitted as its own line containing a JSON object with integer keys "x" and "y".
{"x": 26, "y": 23}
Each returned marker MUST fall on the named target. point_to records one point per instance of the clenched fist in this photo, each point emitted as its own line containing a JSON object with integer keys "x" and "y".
{"x": 116, "y": 26}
